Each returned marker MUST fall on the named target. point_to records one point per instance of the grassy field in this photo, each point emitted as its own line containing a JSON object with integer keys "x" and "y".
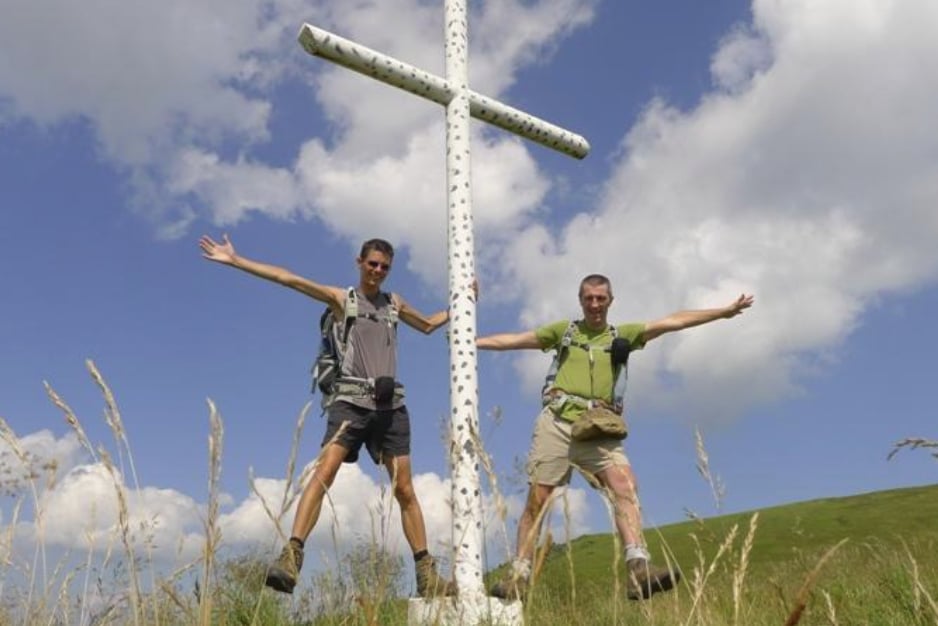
{"x": 881, "y": 567}
{"x": 869, "y": 559}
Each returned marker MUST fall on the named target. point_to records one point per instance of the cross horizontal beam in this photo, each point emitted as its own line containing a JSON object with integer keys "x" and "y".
{"x": 364, "y": 60}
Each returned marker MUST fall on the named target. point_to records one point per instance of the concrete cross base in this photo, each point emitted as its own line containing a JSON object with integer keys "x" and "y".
{"x": 464, "y": 611}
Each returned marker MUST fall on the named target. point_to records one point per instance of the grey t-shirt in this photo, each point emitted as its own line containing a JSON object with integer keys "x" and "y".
{"x": 372, "y": 345}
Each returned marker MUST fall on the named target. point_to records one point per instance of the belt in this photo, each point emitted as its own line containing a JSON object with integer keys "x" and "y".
{"x": 364, "y": 387}
{"x": 557, "y": 398}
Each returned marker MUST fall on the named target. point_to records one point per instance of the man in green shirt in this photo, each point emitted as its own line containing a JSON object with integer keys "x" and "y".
{"x": 585, "y": 380}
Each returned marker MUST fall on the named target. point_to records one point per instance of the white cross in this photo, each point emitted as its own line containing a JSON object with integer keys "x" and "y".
{"x": 472, "y": 607}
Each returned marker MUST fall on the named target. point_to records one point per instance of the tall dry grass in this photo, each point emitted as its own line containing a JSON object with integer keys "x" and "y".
{"x": 721, "y": 586}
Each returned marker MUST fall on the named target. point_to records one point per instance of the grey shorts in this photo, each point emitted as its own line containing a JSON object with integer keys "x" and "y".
{"x": 385, "y": 434}
{"x": 553, "y": 454}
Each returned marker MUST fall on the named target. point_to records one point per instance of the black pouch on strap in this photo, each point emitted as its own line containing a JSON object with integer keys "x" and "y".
{"x": 384, "y": 392}
{"x": 619, "y": 350}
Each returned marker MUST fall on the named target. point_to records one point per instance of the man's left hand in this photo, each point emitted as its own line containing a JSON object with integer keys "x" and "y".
{"x": 744, "y": 301}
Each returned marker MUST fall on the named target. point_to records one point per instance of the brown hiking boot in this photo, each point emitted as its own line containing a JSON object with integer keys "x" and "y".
{"x": 511, "y": 587}
{"x": 285, "y": 570}
{"x": 429, "y": 583}
{"x": 646, "y": 579}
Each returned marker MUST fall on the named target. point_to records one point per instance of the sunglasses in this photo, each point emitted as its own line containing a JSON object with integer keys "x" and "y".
{"x": 377, "y": 264}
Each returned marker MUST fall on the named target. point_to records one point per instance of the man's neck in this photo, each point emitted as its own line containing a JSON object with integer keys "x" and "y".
{"x": 369, "y": 291}
{"x": 603, "y": 325}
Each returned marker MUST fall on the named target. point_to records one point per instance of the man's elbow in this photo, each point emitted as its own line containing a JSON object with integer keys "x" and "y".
{"x": 430, "y": 325}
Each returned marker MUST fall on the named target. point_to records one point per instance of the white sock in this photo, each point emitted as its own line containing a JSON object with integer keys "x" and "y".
{"x": 521, "y": 568}
{"x": 635, "y": 551}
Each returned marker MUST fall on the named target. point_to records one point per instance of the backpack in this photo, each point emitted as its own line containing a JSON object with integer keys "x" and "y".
{"x": 619, "y": 349}
{"x": 333, "y": 341}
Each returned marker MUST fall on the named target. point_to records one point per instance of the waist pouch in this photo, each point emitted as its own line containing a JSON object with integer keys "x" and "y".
{"x": 599, "y": 423}
{"x": 384, "y": 392}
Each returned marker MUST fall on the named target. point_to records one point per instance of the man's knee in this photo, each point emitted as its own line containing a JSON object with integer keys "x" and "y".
{"x": 619, "y": 482}
{"x": 538, "y": 497}
{"x": 401, "y": 481}
{"x": 328, "y": 464}
{"x": 404, "y": 493}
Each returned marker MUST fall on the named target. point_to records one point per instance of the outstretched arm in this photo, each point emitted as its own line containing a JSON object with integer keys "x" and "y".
{"x": 417, "y": 320}
{"x": 427, "y": 323}
{"x": 686, "y": 319}
{"x": 509, "y": 341}
{"x": 225, "y": 254}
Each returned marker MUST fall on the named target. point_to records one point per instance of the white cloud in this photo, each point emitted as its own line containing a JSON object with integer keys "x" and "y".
{"x": 169, "y": 89}
{"x": 81, "y": 512}
{"x": 144, "y": 75}
{"x": 404, "y": 197}
{"x": 234, "y": 188}
{"x": 807, "y": 177}
{"x": 38, "y": 458}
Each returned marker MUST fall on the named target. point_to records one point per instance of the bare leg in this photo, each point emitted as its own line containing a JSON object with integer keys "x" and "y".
{"x": 402, "y": 482}
{"x": 283, "y": 573}
{"x": 310, "y": 504}
{"x": 429, "y": 582}
{"x": 644, "y": 578}
{"x": 619, "y": 482}
{"x": 529, "y": 525}
{"x": 515, "y": 583}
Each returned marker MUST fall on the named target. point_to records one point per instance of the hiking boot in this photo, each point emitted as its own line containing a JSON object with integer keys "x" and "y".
{"x": 285, "y": 570}
{"x": 646, "y": 579}
{"x": 429, "y": 583}
{"x": 511, "y": 587}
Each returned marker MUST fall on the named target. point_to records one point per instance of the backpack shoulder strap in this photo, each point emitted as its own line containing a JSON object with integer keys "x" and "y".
{"x": 351, "y": 314}
{"x": 620, "y": 373}
{"x": 565, "y": 341}
{"x": 567, "y": 338}
{"x": 394, "y": 310}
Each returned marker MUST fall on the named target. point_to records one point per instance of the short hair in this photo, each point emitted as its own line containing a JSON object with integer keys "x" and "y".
{"x": 595, "y": 280}
{"x": 378, "y": 245}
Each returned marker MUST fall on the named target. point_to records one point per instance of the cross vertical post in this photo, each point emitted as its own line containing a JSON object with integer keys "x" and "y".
{"x": 472, "y": 606}
{"x": 466, "y": 490}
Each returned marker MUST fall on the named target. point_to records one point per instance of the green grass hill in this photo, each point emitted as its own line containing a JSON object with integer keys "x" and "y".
{"x": 786, "y": 532}
{"x": 885, "y": 573}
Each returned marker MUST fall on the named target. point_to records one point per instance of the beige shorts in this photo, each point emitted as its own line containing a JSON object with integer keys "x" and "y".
{"x": 553, "y": 454}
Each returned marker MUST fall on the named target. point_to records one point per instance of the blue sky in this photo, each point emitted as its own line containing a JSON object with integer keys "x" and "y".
{"x": 783, "y": 148}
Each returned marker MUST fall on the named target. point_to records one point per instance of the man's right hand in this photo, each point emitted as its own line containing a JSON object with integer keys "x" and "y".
{"x": 219, "y": 252}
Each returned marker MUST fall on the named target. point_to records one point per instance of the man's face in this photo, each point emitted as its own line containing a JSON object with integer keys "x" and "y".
{"x": 374, "y": 268}
{"x": 595, "y": 301}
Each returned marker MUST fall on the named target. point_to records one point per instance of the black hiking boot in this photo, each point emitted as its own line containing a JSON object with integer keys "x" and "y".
{"x": 285, "y": 570}
{"x": 646, "y": 579}
{"x": 510, "y": 587}
{"x": 429, "y": 583}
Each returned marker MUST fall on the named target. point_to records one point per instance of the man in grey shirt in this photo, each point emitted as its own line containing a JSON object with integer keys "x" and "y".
{"x": 364, "y": 404}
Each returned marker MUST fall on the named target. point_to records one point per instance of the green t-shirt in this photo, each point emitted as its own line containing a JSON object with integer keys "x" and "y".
{"x": 577, "y": 375}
